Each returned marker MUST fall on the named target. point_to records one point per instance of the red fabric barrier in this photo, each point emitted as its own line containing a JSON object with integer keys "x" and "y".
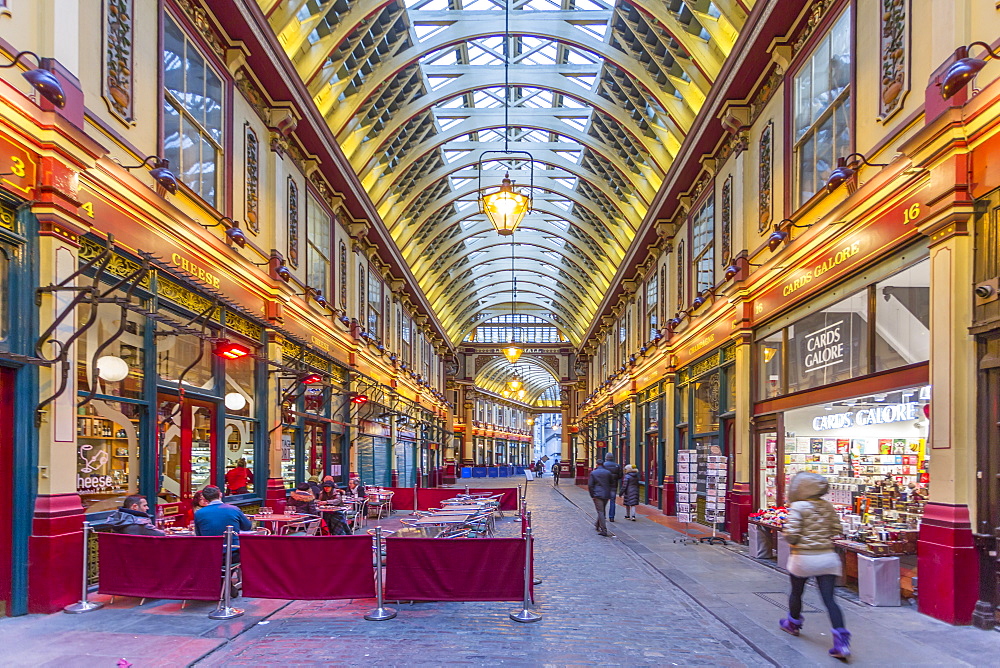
{"x": 172, "y": 567}
{"x": 307, "y": 567}
{"x": 402, "y": 499}
{"x": 459, "y": 569}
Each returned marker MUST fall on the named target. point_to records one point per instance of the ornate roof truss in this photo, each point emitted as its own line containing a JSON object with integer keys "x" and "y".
{"x": 601, "y": 94}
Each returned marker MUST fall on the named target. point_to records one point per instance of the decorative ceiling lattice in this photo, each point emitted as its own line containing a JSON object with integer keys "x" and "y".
{"x": 600, "y": 93}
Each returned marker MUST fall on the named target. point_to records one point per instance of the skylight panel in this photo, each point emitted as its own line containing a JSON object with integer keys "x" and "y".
{"x": 578, "y": 123}
{"x": 445, "y": 122}
{"x": 453, "y": 155}
{"x": 425, "y": 31}
{"x": 585, "y": 82}
{"x": 448, "y": 56}
{"x": 598, "y": 30}
{"x": 438, "y": 81}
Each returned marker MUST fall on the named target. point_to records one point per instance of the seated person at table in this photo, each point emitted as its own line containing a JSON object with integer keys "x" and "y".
{"x": 336, "y": 521}
{"x": 213, "y": 519}
{"x": 133, "y": 518}
{"x": 302, "y": 500}
{"x": 355, "y": 489}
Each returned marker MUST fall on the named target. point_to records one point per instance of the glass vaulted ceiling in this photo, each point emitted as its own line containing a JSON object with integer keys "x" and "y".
{"x": 600, "y": 93}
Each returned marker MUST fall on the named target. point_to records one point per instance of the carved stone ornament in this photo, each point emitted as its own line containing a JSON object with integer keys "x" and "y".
{"x": 765, "y": 194}
{"x": 726, "y": 213}
{"x": 252, "y": 176}
{"x": 199, "y": 18}
{"x": 118, "y": 83}
{"x": 293, "y": 223}
{"x": 895, "y": 36}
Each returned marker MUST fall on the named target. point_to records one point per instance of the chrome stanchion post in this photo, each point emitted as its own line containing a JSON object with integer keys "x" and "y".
{"x": 467, "y": 490}
{"x": 381, "y": 613}
{"x": 537, "y": 580}
{"x": 415, "y": 511}
{"x": 84, "y": 605}
{"x": 520, "y": 501}
{"x": 525, "y": 615}
{"x": 225, "y": 609}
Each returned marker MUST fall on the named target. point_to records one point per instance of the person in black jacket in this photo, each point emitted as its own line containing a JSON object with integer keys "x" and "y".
{"x": 133, "y": 518}
{"x": 616, "y": 473}
{"x": 601, "y": 486}
{"x": 629, "y": 491}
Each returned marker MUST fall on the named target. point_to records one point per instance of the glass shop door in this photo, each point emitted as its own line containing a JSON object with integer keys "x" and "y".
{"x": 187, "y": 437}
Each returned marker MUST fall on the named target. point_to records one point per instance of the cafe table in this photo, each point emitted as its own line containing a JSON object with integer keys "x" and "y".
{"x": 444, "y": 518}
{"x": 277, "y": 520}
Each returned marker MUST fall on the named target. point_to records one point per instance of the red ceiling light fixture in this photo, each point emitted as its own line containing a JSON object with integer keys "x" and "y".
{"x": 230, "y": 350}
{"x": 358, "y": 398}
{"x": 311, "y": 379}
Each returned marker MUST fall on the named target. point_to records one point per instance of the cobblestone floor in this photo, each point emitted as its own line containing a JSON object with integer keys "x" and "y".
{"x": 600, "y": 604}
{"x": 638, "y": 599}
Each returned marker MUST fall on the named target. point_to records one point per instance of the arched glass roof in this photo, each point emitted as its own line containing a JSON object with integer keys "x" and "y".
{"x": 601, "y": 94}
{"x": 540, "y": 384}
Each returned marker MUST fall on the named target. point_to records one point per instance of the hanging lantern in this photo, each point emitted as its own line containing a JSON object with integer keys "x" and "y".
{"x": 512, "y": 352}
{"x": 506, "y": 207}
{"x": 514, "y": 384}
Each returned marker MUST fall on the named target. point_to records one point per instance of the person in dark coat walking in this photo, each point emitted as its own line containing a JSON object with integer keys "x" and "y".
{"x": 616, "y": 474}
{"x": 629, "y": 491}
{"x": 555, "y": 473}
{"x": 601, "y": 486}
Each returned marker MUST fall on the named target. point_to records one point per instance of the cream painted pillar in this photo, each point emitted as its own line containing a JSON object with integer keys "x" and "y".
{"x": 952, "y": 446}
{"x": 638, "y": 432}
{"x": 57, "y": 455}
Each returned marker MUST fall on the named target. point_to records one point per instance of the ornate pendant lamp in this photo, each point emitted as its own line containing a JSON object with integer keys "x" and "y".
{"x": 506, "y": 207}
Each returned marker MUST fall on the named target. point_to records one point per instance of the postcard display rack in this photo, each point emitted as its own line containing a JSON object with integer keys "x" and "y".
{"x": 701, "y": 488}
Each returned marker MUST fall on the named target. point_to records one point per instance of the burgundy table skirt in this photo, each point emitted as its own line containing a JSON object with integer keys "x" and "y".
{"x": 458, "y": 569}
{"x": 170, "y": 567}
{"x": 307, "y": 567}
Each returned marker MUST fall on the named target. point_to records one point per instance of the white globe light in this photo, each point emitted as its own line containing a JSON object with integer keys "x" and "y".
{"x": 111, "y": 368}
{"x": 235, "y": 401}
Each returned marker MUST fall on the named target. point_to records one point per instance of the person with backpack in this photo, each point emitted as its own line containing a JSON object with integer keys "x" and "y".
{"x": 616, "y": 474}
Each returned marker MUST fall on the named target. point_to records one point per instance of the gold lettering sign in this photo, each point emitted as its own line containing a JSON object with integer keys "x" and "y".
{"x": 190, "y": 267}
{"x": 826, "y": 264}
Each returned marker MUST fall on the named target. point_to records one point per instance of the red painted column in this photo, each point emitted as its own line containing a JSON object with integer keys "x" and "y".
{"x": 669, "y": 495}
{"x": 947, "y": 564}
{"x": 55, "y": 553}
{"x": 738, "y": 511}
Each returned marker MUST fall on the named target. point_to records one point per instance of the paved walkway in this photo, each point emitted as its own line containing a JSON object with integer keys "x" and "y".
{"x": 636, "y": 599}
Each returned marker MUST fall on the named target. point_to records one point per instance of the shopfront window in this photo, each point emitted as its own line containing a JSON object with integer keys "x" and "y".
{"x": 184, "y": 358}
{"x": 4, "y": 295}
{"x": 107, "y": 463}
{"x": 187, "y": 443}
{"x": 682, "y": 404}
{"x": 706, "y": 404}
{"x": 289, "y": 438}
{"x": 822, "y": 121}
{"x": 239, "y": 438}
{"x": 241, "y": 386}
{"x": 769, "y": 365}
{"x": 871, "y": 447}
{"x": 119, "y": 369}
{"x": 902, "y": 318}
{"x": 830, "y": 345}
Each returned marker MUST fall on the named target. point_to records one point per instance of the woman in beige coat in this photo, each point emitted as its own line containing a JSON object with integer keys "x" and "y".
{"x": 809, "y": 529}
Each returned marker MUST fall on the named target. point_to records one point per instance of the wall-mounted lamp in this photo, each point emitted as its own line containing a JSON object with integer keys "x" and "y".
{"x": 734, "y": 267}
{"x": 963, "y": 70}
{"x": 311, "y": 379}
{"x": 160, "y": 172}
{"x": 846, "y": 168}
{"x": 233, "y": 232}
{"x": 41, "y": 80}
